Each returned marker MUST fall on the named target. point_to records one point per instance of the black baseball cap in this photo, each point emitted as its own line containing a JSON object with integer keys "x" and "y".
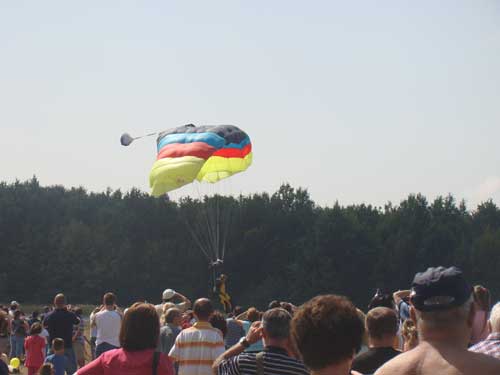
{"x": 439, "y": 288}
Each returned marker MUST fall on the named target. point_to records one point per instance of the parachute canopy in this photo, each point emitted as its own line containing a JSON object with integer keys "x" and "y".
{"x": 205, "y": 153}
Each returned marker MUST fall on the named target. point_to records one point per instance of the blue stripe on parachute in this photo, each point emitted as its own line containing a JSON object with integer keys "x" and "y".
{"x": 210, "y": 138}
{"x": 240, "y": 145}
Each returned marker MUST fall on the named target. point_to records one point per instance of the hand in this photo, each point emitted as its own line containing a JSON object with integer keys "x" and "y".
{"x": 254, "y": 333}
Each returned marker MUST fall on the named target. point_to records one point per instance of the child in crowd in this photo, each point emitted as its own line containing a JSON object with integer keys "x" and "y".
{"x": 35, "y": 349}
{"x": 58, "y": 359}
{"x": 46, "y": 369}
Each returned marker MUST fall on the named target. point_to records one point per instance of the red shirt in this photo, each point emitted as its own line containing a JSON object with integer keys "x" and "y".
{"x": 35, "y": 349}
{"x": 122, "y": 362}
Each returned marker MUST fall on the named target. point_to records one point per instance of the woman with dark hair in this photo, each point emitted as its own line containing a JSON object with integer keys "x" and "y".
{"x": 139, "y": 334}
{"x": 482, "y": 300}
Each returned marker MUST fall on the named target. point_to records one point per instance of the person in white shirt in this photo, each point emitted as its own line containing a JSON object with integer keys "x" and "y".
{"x": 108, "y": 323}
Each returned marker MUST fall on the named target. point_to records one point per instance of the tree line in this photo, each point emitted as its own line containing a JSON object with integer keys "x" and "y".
{"x": 279, "y": 246}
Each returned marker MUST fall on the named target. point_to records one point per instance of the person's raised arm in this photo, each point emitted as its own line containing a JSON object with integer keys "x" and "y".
{"x": 400, "y": 295}
{"x": 183, "y": 298}
{"x": 254, "y": 334}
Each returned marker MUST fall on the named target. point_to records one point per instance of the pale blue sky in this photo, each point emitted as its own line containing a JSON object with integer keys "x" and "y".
{"x": 358, "y": 101}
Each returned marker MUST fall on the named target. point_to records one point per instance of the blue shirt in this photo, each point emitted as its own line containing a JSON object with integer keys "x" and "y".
{"x": 59, "y": 362}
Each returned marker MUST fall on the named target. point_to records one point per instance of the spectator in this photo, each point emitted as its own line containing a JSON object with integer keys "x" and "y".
{"x": 14, "y": 306}
{"x": 59, "y": 359}
{"x": 491, "y": 345}
{"x": 443, "y": 309}
{"x": 4, "y": 368}
{"x": 218, "y": 321}
{"x": 108, "y": 322}
{"x": 171, "y": 329}
{"x": 138, "y": 339}
{"x": 169, "y": 296}
{"x": 47, "y": 369}
{"x": 4, "y": 332}
{"x": 382, "y": 327}
{"x": 235, "y": 329}
{"x": 401, "y": 299}
{"x": 328, "y": 332}
{"x": 274, "y": 304}
{"x": 196, "y": 348}
{"x": 410, "y": 335}
{"x": 18, "y": 331}
{"x": 252, "y": 315}
{"x": 381, "y": 300}
{"x": 188, "y": 319}
{"x": 275, "y": 358}
{"x": 35, "y": 318}
{"x": 93, "y": 332}
{"x": 79, "y": 338}
{"x": 482, "y": 301}
{"x": 60, "y": 324}
{"x": 35, "y": 349}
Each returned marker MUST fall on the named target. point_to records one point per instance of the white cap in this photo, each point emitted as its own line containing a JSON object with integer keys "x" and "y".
{"x": 168, "y": 294}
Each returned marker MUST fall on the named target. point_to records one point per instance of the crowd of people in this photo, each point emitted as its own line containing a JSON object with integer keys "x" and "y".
{"x": 441, "y": 325}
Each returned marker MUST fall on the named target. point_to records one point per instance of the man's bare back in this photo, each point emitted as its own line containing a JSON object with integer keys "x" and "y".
{"x": 426, "y": 359}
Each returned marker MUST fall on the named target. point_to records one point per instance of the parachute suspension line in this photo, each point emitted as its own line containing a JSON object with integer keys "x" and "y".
{"x": 205, "y": 201}
{"x": 217, "y": 227}
{"x": 198, "y": 242}
{"x": 225, "y": 226}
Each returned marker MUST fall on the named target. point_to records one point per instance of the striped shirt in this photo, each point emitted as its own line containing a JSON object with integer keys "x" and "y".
{"x": 196, "y": 349}
{"x": 275, "y": 361}
{"x": 490, "y": 346}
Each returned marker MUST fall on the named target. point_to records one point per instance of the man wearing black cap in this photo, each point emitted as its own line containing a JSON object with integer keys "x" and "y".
{"x": 443, "y": 309}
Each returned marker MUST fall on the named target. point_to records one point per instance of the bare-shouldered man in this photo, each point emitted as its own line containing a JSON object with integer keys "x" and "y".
{"x": 442, "y": 307}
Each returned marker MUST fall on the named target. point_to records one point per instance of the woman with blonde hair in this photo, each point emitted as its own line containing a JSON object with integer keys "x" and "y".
{"x": 410, "y": 335}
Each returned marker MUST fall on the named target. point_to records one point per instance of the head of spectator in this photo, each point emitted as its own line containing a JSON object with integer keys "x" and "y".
{"x": 253, "y": 314}
{"x": 410, "y": 335}
{"x": 217, "y": 320}
{"x": 58, "y": 346}
{"x": 46, "y": 309}
{"x": 14, "y": 305}
{"x": 276, "y": 327}
{"x": 109, "y": 301}
{"x": 47, "y": 369}
{"x": 203, "y": 309}
{"x": 482, "y": 298}
{"x": 173, "y": 316}
{"x": 17, "y": 314}
{"x": 327, "y": 332}
{"x": 140, "y": 328}
{"x": 166, "y": 306}
{"x": 273, "y": 304}
{"x": 443, "y": 307}
{"x": 238, "y": 310}
{"x": 382, "y": 327}
{"x": 35, "y": 329}
{"x": 168, "y": 295}
{"x": 60, "y": 301}
{"x": 381, "y": 300}
{"x": 287, "y": 306}
{"x": 35, "y": 314}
